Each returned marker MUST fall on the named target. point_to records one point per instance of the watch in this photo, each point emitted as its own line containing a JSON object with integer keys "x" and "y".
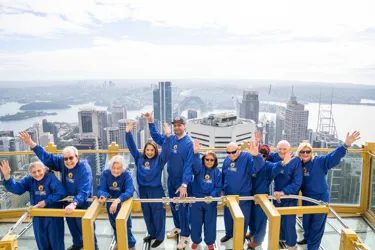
{"x": 75, "y": 203}
{"x": 184, "y": 185}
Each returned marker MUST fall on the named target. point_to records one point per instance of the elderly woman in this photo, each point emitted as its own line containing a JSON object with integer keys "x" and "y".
{"x": 45, "y": 190}
{"x": 315, "y": 186}
{"x": 207, "y": 182}
{"x": 116, "y": 183}
{"x": 287, "y": 182}
{"x": 76, "y": 177}
{"x": 150, "y": 165}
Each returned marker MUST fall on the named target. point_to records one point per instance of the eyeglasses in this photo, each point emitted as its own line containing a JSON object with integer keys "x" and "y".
{"x": 207, "y": 159}
{"x": 232, "y": 152}
{"x": 69, "y": 158}
{"x": 305, "y": 152}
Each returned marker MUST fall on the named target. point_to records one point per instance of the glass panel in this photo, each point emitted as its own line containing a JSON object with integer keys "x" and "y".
{"x": 373, "y": 186}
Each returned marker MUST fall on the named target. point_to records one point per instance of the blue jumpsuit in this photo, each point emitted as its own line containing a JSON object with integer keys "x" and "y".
{"x": 315, "y": 186}
{"x": 179, "y": 168}
{"x": 289, "y": 180}
{"x": 237, "y": 180}
{"x": 117, "y": 187}
{"x": 261, "y": 183}
{"x": 149, "y": 180}
{"x": 49, "y": 232}
{"x": 77, "y": 182}
{"x": 207, "y": 182}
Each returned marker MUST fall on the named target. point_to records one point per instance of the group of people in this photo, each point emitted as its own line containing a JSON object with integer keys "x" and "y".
{"x": 244, "y": 173}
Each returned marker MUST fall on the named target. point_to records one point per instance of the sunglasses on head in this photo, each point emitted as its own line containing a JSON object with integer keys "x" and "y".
{"x": 69, "y": 158}
{"x": 305, "y": 152}
{"x": 207, "y": 159}
{"x": 232, "y": 152}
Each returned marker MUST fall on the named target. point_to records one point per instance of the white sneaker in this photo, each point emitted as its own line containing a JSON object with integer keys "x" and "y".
{"x": 292, "y": 248}
{"x": 175, "y": 231}
{"x": 184, "y": 241}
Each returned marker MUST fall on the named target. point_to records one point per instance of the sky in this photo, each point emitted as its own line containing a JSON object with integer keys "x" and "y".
{"x": 324, "y": 41}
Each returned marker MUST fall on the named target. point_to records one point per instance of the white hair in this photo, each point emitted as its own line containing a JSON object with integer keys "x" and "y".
{"x": 71, "y": 149}
{"x": 35, "y": 164}
{"x": 117, "y": 159}
{"x": 283, "y": 142}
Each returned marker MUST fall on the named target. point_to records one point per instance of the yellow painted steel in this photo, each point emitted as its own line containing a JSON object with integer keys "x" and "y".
{"x": 113, "y": 150}
{"x": 88, "y": 225}
{"x": 121, "y": 220}
{"x": 349, "y": 240}
{"x": 274, "y": 220}
{"x": 231, "y": 202}
{"x": 9, "y": 242}
{"x": 12, "y": 213}
{"x": 54, "y": 212}
{"x": 303, "y": 210}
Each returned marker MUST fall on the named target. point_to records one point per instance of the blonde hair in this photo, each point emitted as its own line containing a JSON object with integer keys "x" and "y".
{"x": 117, "y": 159}
{"x": 305, "y": 144}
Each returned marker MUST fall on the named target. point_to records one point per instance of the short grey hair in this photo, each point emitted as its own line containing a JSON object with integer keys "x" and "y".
{"x": 283, "y": 142}
{"x": 72, "y": 149}
{"x": 117, "y": 159}
{"x": 35, "y": 164}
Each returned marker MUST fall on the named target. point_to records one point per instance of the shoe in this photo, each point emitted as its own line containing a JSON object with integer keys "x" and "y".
{"x": 292, "y": 248}
{"x": 225, "y": 238}
{"x": 194, "y": 246}
{"x": 253, "y": 244}
{"x": 248, "y": 236}
{"x": 211, "y": 247}
{"x": 184, "y": 241}
{"x": 115, "y": 247}
{"x": 132, "y": 248}
{"x": 175, "y": 231}
{"x": 148, "y": 238}
{"x": 75, "y": 247}
{"x": 302, "y": 242}
{"x": 156, "y": 243}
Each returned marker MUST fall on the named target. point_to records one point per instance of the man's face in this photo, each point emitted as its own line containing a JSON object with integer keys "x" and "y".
{"x": 282, "y": 150}
{"x": 70, "y": 160}
{"x": 178, "y": 128}
{"x": 233, "y": 151}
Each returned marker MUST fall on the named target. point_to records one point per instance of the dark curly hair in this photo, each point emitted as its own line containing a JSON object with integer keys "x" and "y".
{"x": 213, "y": 155}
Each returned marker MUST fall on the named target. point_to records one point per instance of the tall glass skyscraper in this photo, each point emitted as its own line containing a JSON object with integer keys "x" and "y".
{"x": 162, "y": 102}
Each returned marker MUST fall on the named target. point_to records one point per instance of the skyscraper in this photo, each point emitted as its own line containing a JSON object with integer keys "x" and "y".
{"x": 280, "y": 124}
{"x": 93, "y": 121}
{"x": 112, "y": 135}
{"x": 249, "y": 107}
{"x": 122, "y": 130}
{"x": 144, "y": 132}
{"x": 51, "y": 128}
{"x": 296, "y": 122}
{"x": 118, "y": 113}
{"x": 162, "y": 102}
{"x": 192, "y": 114}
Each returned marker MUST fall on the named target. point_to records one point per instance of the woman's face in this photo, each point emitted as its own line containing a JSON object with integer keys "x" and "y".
{"x": 116, "y": 169}
{"x": 209, "y": 161}
{"x": 38, "y": 172}
{"x": 305, "y": 154}
{"x": 150, "y": 151}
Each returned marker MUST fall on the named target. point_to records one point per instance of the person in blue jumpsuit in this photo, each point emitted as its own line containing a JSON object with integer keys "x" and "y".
{"x": 179, "y": 168}
{"x": 76, "y": 177}
{"x": 116, "y": 183}
{"x": 261, "y": 182}
{"x": 315, "y": 186}
{"x": 238, "y": 168}
{"x": 287, "y": 182}
{"x": 45, "y": 190}
{"x": 207, "y": 182}
{"x": 150, "y": 165}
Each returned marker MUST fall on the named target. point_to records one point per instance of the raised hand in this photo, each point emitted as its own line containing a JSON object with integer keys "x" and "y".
{"x": 129, "y": 127}
{"x": 352, "y": 138}
{"x": 287, "y": 158}
{"x": 5, "y": 169}
{"x": 253, "y": 148}
{"x": 197, "y": 146}
{"x": 27, "y": 139}
{"x": 148, "y": 116}
{"x": 258, "y": 137}
{"x": 167, "y": 129}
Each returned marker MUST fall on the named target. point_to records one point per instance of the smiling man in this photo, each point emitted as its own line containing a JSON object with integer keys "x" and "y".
{"x": 76, "y": 177}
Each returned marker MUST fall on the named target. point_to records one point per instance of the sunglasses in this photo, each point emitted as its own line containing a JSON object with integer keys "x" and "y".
{"x": 305, "y": 152}
{"x": 69, "y": 158}
{"x": 207, "y": 159}
{"x": 265, "y": 155}
{"x": 232, "y": 153}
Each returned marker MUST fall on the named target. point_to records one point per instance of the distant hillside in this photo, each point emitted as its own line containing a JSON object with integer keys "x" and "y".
{"x": 44, "y": 106}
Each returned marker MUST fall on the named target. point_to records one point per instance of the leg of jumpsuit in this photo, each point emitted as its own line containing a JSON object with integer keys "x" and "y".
{"x": 282, "y": 221}
{"x": 228, "y": 220}
{"x": 252, "y": 228}
{"x": 158, "y": 213}
{"x": 75, "y": 230}
{"x": 196, "y": 213}
{"x": 40, "y": 233}
{"x": 306, "y": 222}
{"x": 209, "y": 216}
{"x": 112, "y": 220}
{"x": 290, "y": 225}
{"x": 175, "y": 213}
{"x": 56, "y": 233}
{"x": 260, "y": 223}
{"x": 246, "y": 210}
{"x": 317, "y": 225}
{"x": 147, "y": 211}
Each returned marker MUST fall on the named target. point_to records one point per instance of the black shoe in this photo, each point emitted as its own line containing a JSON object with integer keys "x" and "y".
{"x": 148, "y": 238}
{"x": 156, "y": 243}
{"x": 75, "y": 247}
{"x": 302, "y": 242}
{"x": 225, "y": 239}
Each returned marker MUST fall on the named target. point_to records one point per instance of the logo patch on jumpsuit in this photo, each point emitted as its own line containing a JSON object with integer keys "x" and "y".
{"x": 232, "y": 168}
{"x": 70, "y": 178}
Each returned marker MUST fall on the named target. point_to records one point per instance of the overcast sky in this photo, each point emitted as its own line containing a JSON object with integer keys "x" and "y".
{"x": 316, "y": 40}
